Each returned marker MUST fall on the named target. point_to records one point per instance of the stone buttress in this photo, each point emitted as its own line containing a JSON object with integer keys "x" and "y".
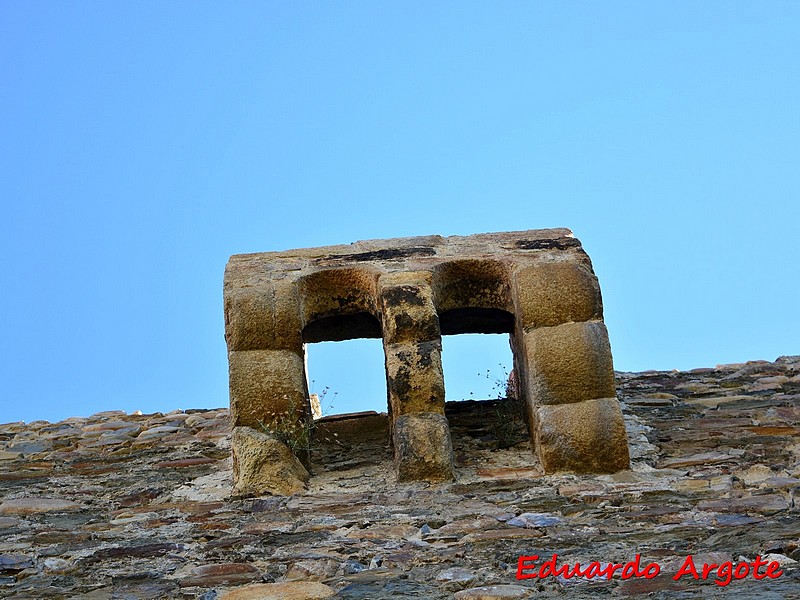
{"x": 537, "y": 285}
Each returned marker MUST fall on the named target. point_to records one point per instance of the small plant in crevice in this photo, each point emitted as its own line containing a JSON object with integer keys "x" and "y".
{"x": 500, "y": 385}
{"x": 285, "y": 428}
{"x": 288, "y": 427}
{"x": 508, "y": 411}
{"x": 320, "y": 405}
{"x": 507, "y": 422}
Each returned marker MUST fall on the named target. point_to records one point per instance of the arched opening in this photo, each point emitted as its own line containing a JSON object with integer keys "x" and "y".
{"x": 476, "y": 366}
{"x": 477, "y": 361}
{"x": 470, "y": 286}
{"x": 338, "y": 328}
{"x": 337, "y": 294}
{"x": 347, "y": 388}
{"x": 477, "y": 357}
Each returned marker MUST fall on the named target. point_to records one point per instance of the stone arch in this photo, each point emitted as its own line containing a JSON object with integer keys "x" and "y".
{"x": 337, "y": 292}
{"x": 480, "y": 321}
{"x": 468, "y": 284}
{"x": 338, "y": 304}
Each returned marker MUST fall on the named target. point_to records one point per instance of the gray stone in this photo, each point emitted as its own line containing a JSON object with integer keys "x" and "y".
{"x": 534, "y": 520}
{"x": 495, "y": 592}
{"x": 455, "y": 578}
{"x": 13, "y": 563}
{"x": 148, "y": 519}
{"x": 30, "y": 447}
{"x": 32, "y": 506}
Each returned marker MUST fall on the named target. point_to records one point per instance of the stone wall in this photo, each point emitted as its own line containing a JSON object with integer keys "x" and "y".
{"x": 537, "y": 285}
{"x": 119, "y": 505}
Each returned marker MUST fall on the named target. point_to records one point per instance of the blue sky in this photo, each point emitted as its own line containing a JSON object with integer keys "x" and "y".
{"x": 143, "y": 143}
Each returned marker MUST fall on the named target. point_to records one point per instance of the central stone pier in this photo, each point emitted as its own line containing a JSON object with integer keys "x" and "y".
{"x": 537, "y": 285}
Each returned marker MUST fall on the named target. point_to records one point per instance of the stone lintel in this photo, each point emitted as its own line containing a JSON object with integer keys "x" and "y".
{"x": 250, "y": 269}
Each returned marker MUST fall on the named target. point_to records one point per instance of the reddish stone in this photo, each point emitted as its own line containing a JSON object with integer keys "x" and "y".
{"x": 638, "y": 587}
{"x": 766, "y": 430}
{"x": 289, "y": 590}
{"x": 139, "y": 498}
{"x": 22, "y": 475}
{"x": 222, "y": 574}
{"x": 197, "y": 508}
{"x": 143, "y": 551}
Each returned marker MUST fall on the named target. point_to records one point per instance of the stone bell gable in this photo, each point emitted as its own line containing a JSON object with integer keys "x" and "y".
{"x": 537, "y": 285}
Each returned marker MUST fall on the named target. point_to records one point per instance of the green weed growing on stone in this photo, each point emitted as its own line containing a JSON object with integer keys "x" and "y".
{"x": 296, "y": 433}
{"x": 287, "y": 427}
{"x": 322, "y": 406}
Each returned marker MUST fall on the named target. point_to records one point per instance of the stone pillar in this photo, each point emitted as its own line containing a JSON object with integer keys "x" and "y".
{"x": 567, "y": 374}
{"x": 414, "y": 380}
{"x": 268, "y": 388}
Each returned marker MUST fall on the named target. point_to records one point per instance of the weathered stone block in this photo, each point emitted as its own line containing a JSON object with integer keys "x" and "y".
{"x": 288, "y": 590}
{"x": 248, "y": 319}
{"x": 337, "y": 291}
{"x": 422, "y": 447}
{"x": 584, "y": 437}
{"x": 414, "y": 378}
{"x": 473, "y": 283}
{"x": 407, "y": 307}
{"x": 552, "y": 293}
{"x": 265, "y": 386}
{"x": 569, "y": 363}
{"x": 264, "y": 465}
{"x": 264, "y": 318}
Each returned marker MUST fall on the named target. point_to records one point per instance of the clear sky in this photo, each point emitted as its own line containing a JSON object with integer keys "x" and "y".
{"x": 142, "y": 143}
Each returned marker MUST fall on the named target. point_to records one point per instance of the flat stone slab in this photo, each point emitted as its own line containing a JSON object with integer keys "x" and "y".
{"x": 33, "y": 506}
{"x": 292, "y": 590}
{"x": 495, "y": 592}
